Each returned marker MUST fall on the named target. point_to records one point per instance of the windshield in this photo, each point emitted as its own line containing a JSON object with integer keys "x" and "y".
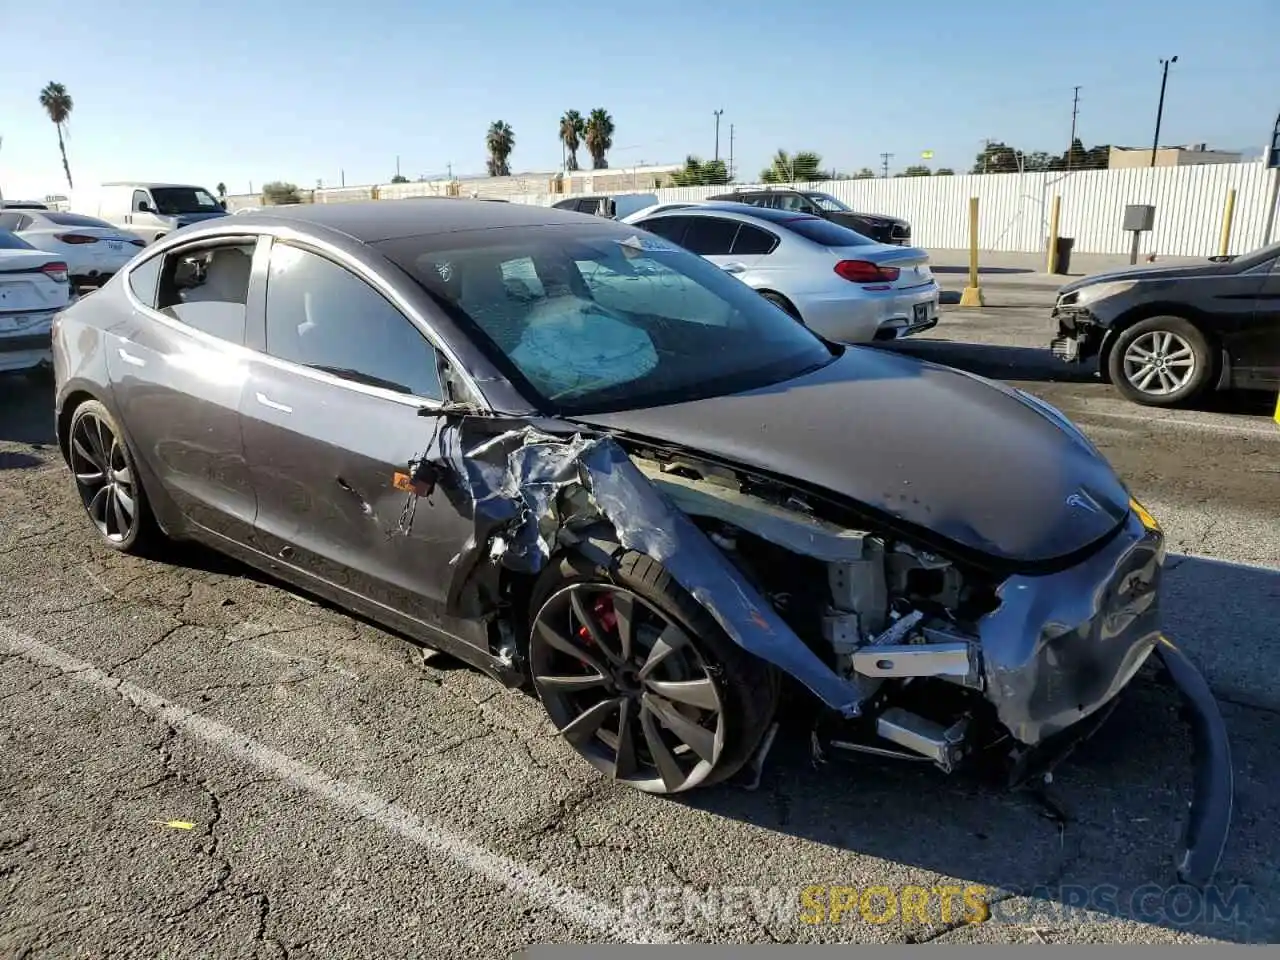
{"x": 827, "y": 202}
{"x": 174, "y": 201}
{"x": 9, "y": 241}
{"x": 593, "y": 320}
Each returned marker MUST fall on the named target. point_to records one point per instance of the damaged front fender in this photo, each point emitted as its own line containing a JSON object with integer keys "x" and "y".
{"x": 529, "y": 491}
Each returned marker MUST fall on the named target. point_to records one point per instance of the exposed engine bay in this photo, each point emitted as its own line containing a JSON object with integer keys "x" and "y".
{"x": 884, "y": 615}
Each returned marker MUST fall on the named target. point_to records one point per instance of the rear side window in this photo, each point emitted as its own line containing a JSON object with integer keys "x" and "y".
{"x": 13, "y": 221}
{"x": 825, "y": 232}
{"x": 206, "y": 289}
{"x": 143, "y": 279}
{"x": 669, "y": 228}
{"x": 752, "y": 241}
{"x": 710, "y": 236}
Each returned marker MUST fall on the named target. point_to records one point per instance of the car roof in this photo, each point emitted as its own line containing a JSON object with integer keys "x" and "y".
{"x": 371, "y": 221}
{"x": 748, "y": 210}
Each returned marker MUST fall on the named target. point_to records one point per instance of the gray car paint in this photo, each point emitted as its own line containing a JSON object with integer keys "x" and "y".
{"x": 318, "y": 462}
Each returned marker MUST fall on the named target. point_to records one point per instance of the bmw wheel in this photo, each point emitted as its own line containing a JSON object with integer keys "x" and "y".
{"x": 640, "y": 679}
{"x": 1161, "y": 362}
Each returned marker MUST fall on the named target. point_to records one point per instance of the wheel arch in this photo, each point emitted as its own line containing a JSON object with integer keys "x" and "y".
{"x": 789, "y": 305}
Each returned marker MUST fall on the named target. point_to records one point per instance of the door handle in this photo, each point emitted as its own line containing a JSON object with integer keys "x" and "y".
{"x": 129, "y": 358}
{"x": 734, "y": 268}
{"x": 268, "y": 402}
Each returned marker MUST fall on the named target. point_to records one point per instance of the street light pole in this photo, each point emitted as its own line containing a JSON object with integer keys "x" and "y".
{"x": 718, "y": 112}
{"x": 1164, "y": 79}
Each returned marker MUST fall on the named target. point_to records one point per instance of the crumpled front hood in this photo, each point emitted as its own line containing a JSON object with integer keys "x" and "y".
{"x": 936, "y": 448}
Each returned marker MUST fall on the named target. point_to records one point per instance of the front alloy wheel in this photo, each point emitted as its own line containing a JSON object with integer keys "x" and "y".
{"x": 1161, "y": 362}
{"x": 627, "y": 688}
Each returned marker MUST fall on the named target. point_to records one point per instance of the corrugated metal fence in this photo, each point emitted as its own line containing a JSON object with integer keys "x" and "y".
{"x": 1013, "y": 208}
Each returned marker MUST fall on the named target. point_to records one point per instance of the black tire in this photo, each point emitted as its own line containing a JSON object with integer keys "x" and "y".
{"x": 748, "y": 688}
{"x": 783, "y": 304}
{"x": 1172, "y": 343}
{"x": 141, "y": 535}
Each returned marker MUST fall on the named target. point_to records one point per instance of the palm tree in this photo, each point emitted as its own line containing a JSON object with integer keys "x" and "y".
{"x": 57, "y": 104}
{"x": 598, "y": 136}
{"x": 222, "y": 190}
{"x": 572, "y": 127}
{"x": 500, "y": 141}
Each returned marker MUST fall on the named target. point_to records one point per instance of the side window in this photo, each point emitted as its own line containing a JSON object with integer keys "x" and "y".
{"x": 10, "y": 221}
{"x": 752, "y": 241}
{"x": 789, "y": 201}
{"x": 669, "y": 228}
{"x": 143, "y": 279}
{"x": 321, "y": 315}
{"x": 206, "y": 289}
{"x": 710, "y": 236}
{"x": 139, "y": 198}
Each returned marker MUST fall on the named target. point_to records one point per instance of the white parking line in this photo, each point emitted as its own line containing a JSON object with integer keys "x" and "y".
{"x": 517, "y": 877}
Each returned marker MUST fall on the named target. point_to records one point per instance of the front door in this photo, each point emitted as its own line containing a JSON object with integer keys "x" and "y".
{"x": 331, "y": 424}
{"x": 1256, "y": 353}
{"x": 179, "y": 366}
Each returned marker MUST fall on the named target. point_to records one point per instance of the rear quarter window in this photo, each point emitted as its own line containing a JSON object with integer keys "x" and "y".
{"x": 826, "y": 233}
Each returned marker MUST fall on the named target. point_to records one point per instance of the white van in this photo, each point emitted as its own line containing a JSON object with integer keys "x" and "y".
{"x": 150, "y": 209}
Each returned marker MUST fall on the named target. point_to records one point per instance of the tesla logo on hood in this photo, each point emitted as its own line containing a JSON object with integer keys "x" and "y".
{"x": 1082, "y": 501}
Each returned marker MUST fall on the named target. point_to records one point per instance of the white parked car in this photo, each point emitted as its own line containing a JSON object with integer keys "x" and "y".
{"x": 840, "y": 284}
{"x": 656, "y": 208}
{"x": 91, "y": 248}
{"x": 34, "y": 285}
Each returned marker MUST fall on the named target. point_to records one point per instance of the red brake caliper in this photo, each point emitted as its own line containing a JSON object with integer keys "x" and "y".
{"x": 603, "y": 609}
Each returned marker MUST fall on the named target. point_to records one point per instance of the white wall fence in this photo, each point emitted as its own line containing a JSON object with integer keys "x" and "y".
{"x": 1013, "y": 208}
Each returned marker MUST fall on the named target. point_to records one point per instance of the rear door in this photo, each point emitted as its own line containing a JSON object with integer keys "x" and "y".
{"x": 179, "y": 366}
{"x": 331, "y": 424}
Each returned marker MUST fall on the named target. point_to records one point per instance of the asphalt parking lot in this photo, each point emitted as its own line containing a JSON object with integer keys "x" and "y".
{"x": 197, "y": 762}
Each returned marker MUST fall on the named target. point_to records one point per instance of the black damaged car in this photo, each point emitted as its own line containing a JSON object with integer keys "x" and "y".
{"x": 580, "y": 458}
{"x": 1164, "y": 335}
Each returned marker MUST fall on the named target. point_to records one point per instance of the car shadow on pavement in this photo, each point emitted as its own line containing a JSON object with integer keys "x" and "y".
{"x": 26, "y": 409}
{"x": 1102, "y": 837}
{"x": 995, "y": 362}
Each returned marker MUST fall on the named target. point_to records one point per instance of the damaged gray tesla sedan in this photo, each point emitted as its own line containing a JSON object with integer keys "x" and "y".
{"x": 576, "y": 456}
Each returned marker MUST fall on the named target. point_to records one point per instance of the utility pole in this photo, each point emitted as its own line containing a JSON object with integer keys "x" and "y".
{"x": 1075, "y": 109}
{"x": 730, "y": 170}
{"x": 986, "y": 153}
{"x": 342, "y": 177}
{"x": 1164, "y": 79}
{"x": 397, "y": 165}
{"x": 884, "y": 163}
{"x": 718, "y": 112}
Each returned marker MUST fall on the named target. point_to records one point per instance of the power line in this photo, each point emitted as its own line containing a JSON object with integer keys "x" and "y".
{"x": 884, "y": 162}
{"x": 1075, "y": 109}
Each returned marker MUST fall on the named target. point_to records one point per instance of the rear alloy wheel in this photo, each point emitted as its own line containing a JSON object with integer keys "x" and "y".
{"x": 1161, "y": 362}
{"x": 107, "y": 480}
{"x": 649, "y": 696}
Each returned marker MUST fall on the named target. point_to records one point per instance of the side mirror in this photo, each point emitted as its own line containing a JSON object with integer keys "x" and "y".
{"x": 144, "y": 207}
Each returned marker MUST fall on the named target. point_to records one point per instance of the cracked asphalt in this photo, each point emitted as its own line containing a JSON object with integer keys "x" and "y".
{"x": 197, "y": 762}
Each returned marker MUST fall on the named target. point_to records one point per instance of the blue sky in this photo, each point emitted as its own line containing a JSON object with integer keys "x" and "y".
{"x": 248, "y": 92}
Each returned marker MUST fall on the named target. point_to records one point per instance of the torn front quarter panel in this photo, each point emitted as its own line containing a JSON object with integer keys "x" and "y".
{"x": 528, "y": 491}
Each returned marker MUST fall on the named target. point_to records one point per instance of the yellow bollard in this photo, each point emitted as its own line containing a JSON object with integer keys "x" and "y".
{"x": 972, "y": 295}
{"x": 1228, "y": 213}
{"x": 1055, "y": 213}
{"x": 1277, "y": 408}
